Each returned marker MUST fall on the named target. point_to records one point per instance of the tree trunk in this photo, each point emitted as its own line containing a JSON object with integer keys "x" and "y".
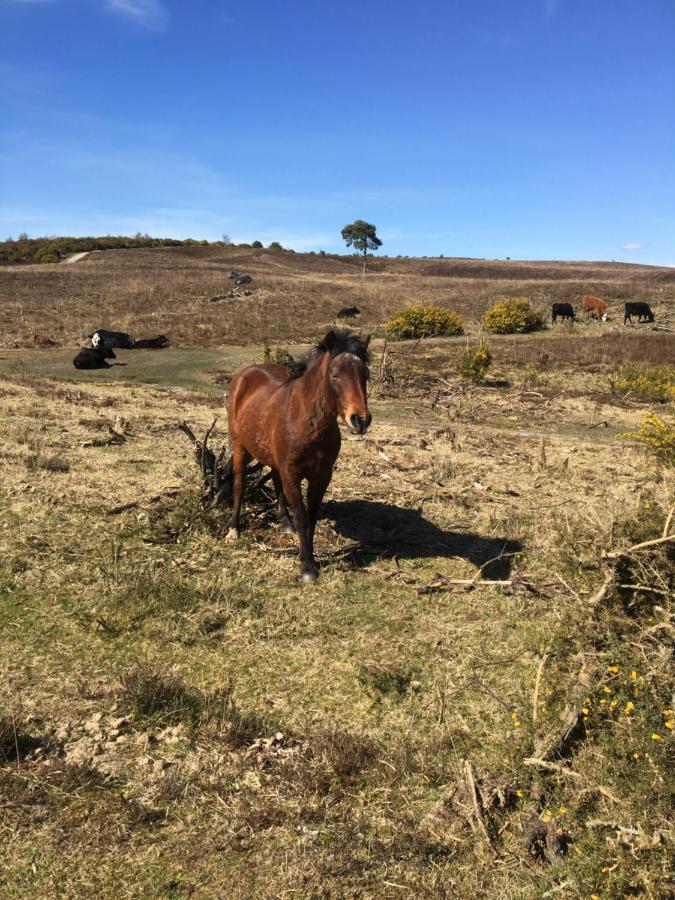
{"x": 365, "y": 253}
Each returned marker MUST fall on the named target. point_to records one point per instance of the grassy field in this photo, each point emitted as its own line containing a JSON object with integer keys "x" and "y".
{"x": 472, "y": 701}
{"x": 475, "y": 700}
{"x": 295, "y": 296}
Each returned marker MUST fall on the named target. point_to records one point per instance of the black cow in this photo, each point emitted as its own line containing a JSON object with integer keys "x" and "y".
{"x": 118, "y": 339}
{"x": 637, "y": 308}
{"x": 348, "y": 312}
{"x": 93, "y": 357}
{"x": 564, "y": 310}
{"x": 154, "y": 343}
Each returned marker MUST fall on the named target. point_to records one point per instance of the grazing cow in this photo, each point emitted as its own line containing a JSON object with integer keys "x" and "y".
{"x": 154, "y": 343}
{"x": 595, "y": 307}
{"x": 94, "y": 357}
{"x": 111, "y": 339}
{"x": 637, "y": 308}
{"x": 348, "y": 312}
{"x": 562, "y": 310}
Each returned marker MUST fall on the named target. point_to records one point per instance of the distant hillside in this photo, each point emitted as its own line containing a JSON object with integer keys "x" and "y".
{"x": 294, "y": 296}
{"x": 54, "y": 249}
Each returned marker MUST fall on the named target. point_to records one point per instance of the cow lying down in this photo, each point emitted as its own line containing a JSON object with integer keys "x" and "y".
{"x": 125, "y": 341}
{"x": 93, "y": 358}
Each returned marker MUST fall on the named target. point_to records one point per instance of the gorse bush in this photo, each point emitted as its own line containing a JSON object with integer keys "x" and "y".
{"x": 473, "y": 364}
{"x": 656, "y": 436}
{"x": 656, "y": 384}
{"x": 423, "y": 321}
{"x": 513, "y": 315}
{"x": 277, "y": 355}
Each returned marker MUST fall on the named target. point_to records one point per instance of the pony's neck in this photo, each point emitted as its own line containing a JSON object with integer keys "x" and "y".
{"x": 320, "y": 398}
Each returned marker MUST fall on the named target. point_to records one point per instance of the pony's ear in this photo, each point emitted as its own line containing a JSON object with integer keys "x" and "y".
{"x": 329, "y": 341}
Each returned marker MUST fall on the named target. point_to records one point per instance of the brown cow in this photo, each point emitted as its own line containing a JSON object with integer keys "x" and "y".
{"x": 595, "y": 307}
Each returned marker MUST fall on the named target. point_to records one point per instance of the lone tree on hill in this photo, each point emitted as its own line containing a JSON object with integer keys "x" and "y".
{"x": 361, "y": 236}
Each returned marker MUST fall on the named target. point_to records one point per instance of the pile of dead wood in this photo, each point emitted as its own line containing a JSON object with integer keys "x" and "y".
{"x": 216, "y": 473}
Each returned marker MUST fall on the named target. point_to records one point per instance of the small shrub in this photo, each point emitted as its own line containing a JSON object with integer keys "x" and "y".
{"x": 473, "y": 364}
{"x": 656, "y": 384}
{"x": 656, "y": 436}
{"x": 512, "y": 316}
{"x": 46, "y": 461}
{"x": 277, "y": 355}
{"x": 423, "y": 321}
{"x": 151, "y": 692}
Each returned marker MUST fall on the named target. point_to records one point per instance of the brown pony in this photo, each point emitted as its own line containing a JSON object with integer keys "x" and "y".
{"x": 289, "y": 423}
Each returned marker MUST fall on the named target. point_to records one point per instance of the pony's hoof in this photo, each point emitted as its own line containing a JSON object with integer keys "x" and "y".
{"x": 311, "y": 576}
{"x": 232, "y": 535}
{"x": 287, "y": 527}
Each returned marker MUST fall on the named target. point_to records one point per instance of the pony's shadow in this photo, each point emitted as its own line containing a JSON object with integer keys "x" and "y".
{"x": 386, "y": 531}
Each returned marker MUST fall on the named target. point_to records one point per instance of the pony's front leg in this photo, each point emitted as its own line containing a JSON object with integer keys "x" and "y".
{"x": 293, "y": 491}
{"x": 240, "y": 459}
{"x": 316, "y": 489}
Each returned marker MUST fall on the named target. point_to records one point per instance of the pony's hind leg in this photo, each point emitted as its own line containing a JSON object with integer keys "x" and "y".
{"x": 240, "y": 459}
{"x": 282, "y": 505}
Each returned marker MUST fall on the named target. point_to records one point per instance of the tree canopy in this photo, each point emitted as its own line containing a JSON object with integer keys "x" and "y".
{"x": 362, "y": 236}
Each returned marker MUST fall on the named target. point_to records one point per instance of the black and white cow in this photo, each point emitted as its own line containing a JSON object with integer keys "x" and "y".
{"x": 119, "y": 339}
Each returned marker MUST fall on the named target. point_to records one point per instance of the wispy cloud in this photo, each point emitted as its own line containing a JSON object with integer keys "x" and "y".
{"x": 148, "y": 13}
{"x": 631, "y": 246}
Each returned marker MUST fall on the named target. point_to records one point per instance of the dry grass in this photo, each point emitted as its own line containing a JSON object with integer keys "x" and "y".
{"x": 193, "y": 721}
{"x": 167, "y": 291}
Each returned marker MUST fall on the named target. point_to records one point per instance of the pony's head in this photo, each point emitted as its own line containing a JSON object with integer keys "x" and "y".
{"x": 348, "y": 377}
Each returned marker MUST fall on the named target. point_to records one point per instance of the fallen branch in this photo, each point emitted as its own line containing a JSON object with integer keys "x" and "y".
{"x": 617, "y": 554}
{"x": 471, "y": 782}
{"x": 537, "y": 683}
{"x": 599, "y": 595}
{"x": 551, "y": 767}
{"x": 669, "y": 519}
{"x": 440, "y": 583}
{"x": 134, "y": 504}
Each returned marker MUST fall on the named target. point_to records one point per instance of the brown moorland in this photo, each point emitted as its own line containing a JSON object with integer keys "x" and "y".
{"x": 474, "y": 700}
{"x": 294, "y": 296}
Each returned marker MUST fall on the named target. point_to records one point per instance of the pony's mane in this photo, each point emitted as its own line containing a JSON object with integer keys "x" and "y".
{"x": 344, "y": 341}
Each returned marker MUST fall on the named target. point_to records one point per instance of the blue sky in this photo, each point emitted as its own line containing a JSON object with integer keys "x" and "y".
{"x": 529, "y": 128}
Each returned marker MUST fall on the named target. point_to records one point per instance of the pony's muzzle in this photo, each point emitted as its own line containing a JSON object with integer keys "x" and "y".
{"x": 359, "y": 424}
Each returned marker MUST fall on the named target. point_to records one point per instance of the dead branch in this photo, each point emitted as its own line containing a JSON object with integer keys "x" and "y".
{"x": 669, "y": 519}
{"x": 216, "y": 472}
{"x": 617, "y": 554}
{"x": 551, "y": 767}
{"x": 148, "y": 501}
{"x": 537, "y": 683}
{"x": 471, "y": 782}
{"x": 599, "y": 595}
{"x": 643, "y": 587}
